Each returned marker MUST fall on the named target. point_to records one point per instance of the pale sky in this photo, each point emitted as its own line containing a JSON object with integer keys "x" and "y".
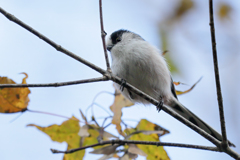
{"x": 75, "y": 26}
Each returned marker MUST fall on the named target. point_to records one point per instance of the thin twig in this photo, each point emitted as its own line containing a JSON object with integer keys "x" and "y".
{"x": 105, "y": 120}
{"x": 94, "y": 120}
{"x": 216, "y": 71}
{"x": 52, "y": 114}
{"x": 107, "y": 125}
{"x": 103, "y": 35}
{"x": 58, "y": 84}
{"x": 93, "y": 102}
{"x": 103, "y": 108}
{"x": 124, "y": 142}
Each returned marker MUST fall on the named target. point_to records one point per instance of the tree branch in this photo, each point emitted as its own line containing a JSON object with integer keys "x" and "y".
{"x": 58, "y": 84}
{"x": 116, "y": 79}
{"x": 124, "y": 142}
{"x": 103, "y": 35}
{"x": 112, "y": 77}
{"x": 216, "y": 71}
{"x": 169, "y": 111}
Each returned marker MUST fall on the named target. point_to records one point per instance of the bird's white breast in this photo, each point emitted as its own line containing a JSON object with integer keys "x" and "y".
{"x": 142, "y": 65}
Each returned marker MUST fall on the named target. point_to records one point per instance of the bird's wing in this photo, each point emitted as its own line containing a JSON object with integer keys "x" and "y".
{"x": 173, "y": 89}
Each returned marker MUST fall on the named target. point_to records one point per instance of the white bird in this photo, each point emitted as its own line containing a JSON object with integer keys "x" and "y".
{"x": 139, "y": 63}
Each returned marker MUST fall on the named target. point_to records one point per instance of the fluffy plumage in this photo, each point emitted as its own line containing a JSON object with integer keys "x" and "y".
{"x": 142, "y": 65}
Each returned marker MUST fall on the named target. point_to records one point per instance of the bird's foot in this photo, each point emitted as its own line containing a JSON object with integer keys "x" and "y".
{"x": 123, "y": 84}
{"x": 160, "y": 105}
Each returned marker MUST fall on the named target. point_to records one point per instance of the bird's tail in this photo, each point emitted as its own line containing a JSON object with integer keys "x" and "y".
{"x": 184, "y": 112}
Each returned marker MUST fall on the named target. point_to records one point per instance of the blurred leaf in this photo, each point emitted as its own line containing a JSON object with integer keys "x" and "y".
{"x": 83, "y": 132}
{"x": 153, "y": 152}
{"x": 183, "y": 92}
{"x": 107, "y": 150}
{"x": 132, "y": 155}
{"x": 164, "y": 52}
{"x": 183, "y": 7}
{"x": 164, "y": 39}
{"x": 172, "y": 67}
{"x": 161, "y": 132}
{"x": 224, "y": 11}
{"x": 74, "y": 156}
{"x": 178, "y": 83}
{"x": 124, "y": 157}
{"x": 13, "y": 99}
{"x": 105, "y": 157}
{"x": 92, "y": 138}
{"x": 108, "y": 135}
{"x": 94, "y": 133}
{"x": 128, "y": 156}
{"x": 135, "y": 150}
{"x": 119, "y": 102}
{"x": 66, "y": 132}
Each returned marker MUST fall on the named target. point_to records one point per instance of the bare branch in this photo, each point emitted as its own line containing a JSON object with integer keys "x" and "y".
{"x": 112, "y": 77}
{"x": 50, "y": 42}
{"x": 169, "y": 111}
{"x": 216, "y": 71}
{"x": 124, "y": 142}
{"x": 58, "y": 84}
{"x": 103, "y": 35}
{"x": 116, "y": 79}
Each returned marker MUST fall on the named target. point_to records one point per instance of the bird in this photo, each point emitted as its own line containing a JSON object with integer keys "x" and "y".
{"x": 142, "y": 65}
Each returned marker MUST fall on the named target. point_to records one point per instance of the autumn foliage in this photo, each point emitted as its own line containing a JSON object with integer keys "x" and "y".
{"x": 82, "y": 132}
{"x": 89, "y": 133}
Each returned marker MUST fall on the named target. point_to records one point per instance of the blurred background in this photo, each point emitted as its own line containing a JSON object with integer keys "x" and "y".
{"x": 179, "y": 26}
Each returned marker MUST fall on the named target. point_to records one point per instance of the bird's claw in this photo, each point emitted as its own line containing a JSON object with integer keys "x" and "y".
{"x": 123, "y": 84}
{"x": 160, "y": 105}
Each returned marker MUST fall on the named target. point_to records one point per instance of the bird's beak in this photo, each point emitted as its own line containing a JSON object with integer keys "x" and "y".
{"x": 109, "y": 48}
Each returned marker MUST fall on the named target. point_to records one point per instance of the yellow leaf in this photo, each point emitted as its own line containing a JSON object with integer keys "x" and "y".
{"x": 176, "y": 83}
{"x": 153, "y": 152}
{"x": 224, "y": 10}
{"x": 92, "y": 139}
{"x": 24, "y": 81}
{"x": 13, "y": 99}
{"x": 119, "y": 102}
{"x": 93, "y": 131}
{"x": 183, "y": 92}
{"x": 183, "y": 7}
{"x": 66, "y": 132}
{"x": 74, "y": 156}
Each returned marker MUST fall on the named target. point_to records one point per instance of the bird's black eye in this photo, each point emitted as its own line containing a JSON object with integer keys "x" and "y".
{"x": 117, "y": 36}
{"x": 118, "y": 39}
